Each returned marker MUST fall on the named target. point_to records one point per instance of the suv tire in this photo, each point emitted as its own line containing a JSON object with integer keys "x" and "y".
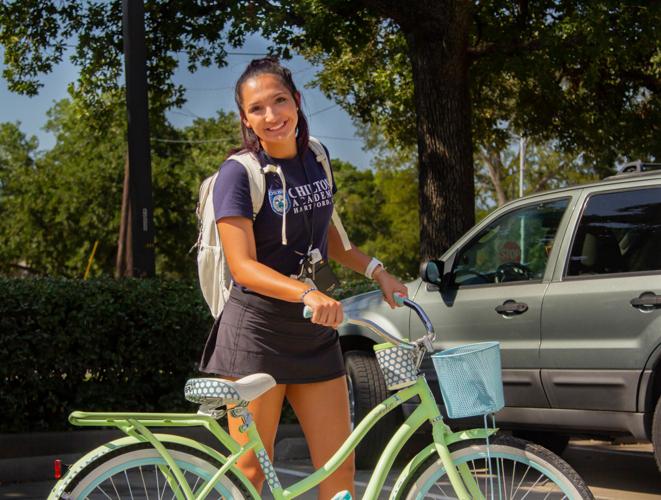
{"x": 367, "y": 388}
{"x": 557, "y": 443}
{"x": 656, "y": 433}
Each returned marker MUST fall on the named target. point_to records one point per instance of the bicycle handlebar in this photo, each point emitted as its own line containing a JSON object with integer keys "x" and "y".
{"x": 401, "y": 300}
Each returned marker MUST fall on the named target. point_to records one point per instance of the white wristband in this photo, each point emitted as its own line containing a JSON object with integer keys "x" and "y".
{"x": 374, "y": 263}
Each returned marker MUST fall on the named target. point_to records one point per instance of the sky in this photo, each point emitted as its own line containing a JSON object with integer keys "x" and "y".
{"x": 207, "y": 91}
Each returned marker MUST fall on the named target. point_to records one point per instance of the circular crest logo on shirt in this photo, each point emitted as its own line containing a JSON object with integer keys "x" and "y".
{"x": 279, "y": 204}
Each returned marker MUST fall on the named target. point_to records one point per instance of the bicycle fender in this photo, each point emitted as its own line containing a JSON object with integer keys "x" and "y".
{"x": 58, "y": 490}
{"x": 430, "y": 450}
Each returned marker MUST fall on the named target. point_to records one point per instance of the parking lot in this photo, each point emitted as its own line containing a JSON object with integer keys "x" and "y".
{"x": 613, "y": 471}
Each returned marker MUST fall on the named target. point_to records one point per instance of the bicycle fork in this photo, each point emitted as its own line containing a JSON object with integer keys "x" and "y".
{"x": 460, "y": 476}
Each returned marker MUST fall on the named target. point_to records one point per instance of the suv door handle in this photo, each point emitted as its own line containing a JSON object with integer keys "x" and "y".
{"x": 647, "y": 301}
{"x": 511, "y": 308}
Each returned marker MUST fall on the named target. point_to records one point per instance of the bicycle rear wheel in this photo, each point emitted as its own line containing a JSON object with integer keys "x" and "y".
{"x": 518, "y": 469}
{"x": 137, "y": 472}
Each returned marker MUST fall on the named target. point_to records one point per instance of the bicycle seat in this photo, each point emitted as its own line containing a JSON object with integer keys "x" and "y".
{"x": 220, "y": 391}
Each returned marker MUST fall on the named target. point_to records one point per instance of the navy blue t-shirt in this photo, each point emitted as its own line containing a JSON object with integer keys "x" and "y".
{"x": 309, "y": 206}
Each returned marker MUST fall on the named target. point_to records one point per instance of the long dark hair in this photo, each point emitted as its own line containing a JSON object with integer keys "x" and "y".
{"x": 270, "y": 66}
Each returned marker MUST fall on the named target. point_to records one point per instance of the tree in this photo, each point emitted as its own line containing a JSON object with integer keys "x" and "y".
{"x": 396, "y": 178}
{"x": 359, "y": 202}
{"x": 17, "y": 156}
{"x": 586, "y": 73}
{"x": 55, "y": 205}
{"x": 546, "y": 167}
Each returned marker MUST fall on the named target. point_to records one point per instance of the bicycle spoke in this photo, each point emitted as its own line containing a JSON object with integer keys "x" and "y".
{"x": 512, "y": 483}
{"x": 158, "y": 488}
{"x": 521, "y": 482}
{"x": 115, "y": 488}
{"x": 104, "y": 493}
{"x": 143, "y": 483}
{"x": 531, "y": 488}
{"x": 499, "y": 469}
{"x": 128, "y": 483}
{"x": 195, "y": 485}
{"x": 443, "y": 493}
{"x": 174, "y": 493}
{"x": 502, "y": 467}
{"x": 161, "y": 495}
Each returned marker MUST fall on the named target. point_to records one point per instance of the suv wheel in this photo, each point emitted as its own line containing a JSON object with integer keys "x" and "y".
{"x": 367, "y": 389}
{"x": 557, "y": 443}
{"x": 656, "y": 433}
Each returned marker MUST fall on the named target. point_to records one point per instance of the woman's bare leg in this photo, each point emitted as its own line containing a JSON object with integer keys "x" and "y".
{"x": 322, "y": 409}
{"x": 265, "y": 411}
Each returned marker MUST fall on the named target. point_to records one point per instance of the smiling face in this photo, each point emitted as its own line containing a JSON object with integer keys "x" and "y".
{"x": 271, "y": 111}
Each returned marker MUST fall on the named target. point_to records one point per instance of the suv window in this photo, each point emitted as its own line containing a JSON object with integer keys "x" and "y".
{"x": 514, "y": 247}
{"x": 618, "y": 233}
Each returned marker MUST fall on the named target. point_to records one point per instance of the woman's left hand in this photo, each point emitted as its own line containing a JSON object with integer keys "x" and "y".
{"x": 389, "y": 285}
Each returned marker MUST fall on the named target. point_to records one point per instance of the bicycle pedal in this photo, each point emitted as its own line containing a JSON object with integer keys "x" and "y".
{"x": 342, "y": 495}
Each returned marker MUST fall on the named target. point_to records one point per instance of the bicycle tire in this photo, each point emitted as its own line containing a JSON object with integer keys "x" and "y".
{"x": 524, "y": 469}
{"x": 133, "y": 472}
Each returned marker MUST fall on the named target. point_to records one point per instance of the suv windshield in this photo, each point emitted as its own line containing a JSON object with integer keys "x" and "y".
{"x": 514, "y": 247}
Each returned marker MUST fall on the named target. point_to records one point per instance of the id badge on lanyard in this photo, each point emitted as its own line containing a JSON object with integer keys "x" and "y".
{"x": 314, "y": 269}
{"x": 317, "y": 272}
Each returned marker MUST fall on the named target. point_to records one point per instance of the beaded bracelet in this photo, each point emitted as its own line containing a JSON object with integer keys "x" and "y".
{"x": 311, "y": 289}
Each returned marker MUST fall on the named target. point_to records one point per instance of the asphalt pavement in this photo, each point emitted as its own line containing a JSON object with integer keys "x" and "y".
{"x": 613, "y": 471}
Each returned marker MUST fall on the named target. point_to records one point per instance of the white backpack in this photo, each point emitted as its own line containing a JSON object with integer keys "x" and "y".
{"x": 212, "y": 267}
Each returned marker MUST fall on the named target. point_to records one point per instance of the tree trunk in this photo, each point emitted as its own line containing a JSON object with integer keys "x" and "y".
{"x": 124, "y": 262}
{"x": 439, "y": 58}
{"x": 495, "y": 166}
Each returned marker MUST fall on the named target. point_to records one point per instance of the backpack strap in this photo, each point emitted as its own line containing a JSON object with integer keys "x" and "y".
{"x": 257, "y": 183}
{"x": 321, "y": 156}
{"x": 255, "y": 179}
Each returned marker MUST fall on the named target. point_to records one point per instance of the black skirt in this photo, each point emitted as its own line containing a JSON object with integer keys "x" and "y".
{"x": 258, "y": 334}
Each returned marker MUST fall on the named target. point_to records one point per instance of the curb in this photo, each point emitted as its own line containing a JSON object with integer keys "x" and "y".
{"x": 30, "y": 456}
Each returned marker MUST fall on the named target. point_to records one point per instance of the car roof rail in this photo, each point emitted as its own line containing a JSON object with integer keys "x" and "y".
{"x": 635, "y": 169}
{"x": 638, "y": 166}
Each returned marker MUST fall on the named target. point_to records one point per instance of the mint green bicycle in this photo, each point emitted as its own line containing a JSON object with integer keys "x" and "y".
{"x": 469, "y": 464}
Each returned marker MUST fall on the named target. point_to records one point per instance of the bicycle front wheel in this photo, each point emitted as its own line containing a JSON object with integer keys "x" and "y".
{"x": 510, "y": 469}
{"x": 139, "y": 472}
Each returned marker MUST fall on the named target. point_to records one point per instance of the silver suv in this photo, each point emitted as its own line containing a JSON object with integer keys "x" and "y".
{"x": 569, "y": 282}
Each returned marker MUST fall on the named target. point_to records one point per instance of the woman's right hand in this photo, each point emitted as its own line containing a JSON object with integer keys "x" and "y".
{"x": 325, "y": 310}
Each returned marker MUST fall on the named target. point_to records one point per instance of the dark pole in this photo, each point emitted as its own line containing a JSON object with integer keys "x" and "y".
{"x": 140, "y": 194}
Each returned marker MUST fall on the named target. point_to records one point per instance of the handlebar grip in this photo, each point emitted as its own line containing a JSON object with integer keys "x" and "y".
{"x": 307, "y": 314}
{"x": 398, "y": 298}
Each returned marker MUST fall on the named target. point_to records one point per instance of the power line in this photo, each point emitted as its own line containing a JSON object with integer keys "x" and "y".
{"x": 187, "y": 141}
{"x": 338, "y": 138}
{"x": 209, "y": 89}
{"x": 323, "y": 109}
{"x": 251, "y": 54}
{"x": 207, "y": 141}
{"x": 231, "y": 87}
{"x": 182, "y": 114}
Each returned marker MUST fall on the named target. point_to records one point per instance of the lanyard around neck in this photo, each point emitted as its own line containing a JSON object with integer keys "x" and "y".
{"x": 308, "y": 221}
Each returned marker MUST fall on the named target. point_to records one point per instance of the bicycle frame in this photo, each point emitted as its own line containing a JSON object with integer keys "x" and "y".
{"x": 136, "y": 425}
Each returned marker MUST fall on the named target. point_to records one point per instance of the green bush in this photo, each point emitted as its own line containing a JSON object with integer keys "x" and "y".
{"x": 111, "y": 345}
{"x": 101, "y": 345}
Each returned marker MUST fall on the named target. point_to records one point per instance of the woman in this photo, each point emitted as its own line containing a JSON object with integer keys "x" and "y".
{"x": 261, "y": 328}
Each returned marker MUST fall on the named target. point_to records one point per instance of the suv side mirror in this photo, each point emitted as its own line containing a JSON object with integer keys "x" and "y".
{"x": 431, "y": 272}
